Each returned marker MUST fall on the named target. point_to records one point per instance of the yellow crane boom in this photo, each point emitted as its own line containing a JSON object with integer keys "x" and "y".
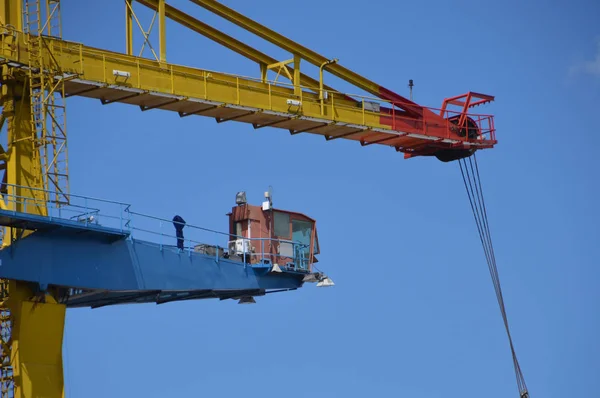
{"x": 115, "y": 77}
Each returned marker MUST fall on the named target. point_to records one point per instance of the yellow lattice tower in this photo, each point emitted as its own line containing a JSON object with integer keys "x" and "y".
{"x": 46, "y": 92}
{"x": 35, "y": 162}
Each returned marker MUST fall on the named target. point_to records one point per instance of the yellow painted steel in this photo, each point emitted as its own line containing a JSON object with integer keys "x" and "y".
{"x": 48, "y": 116}
{"x": 281, "y": 67}
{"x": 293, "y": 47}
{"x": 36, "y": 331}
{"x": 129, "y": 17}
{"x": 297, "y": 87}
{"x": 229, "y": 42}
{"x": 11, "y": 13}
{"x": 37, "y": 336}
{"x": 321, "y": 85}
{"x": 97, "y": 66}
{"x": 128, "y": 27}
{"x": 31, "y": 331}
{"x": 162, "y": 31}
{"x": 23, "y": 161}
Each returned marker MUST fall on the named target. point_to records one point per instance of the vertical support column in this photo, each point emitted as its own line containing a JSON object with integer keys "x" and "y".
{"x": 297, "y": 88}
{"x": 263, "y": 72}
{"x": 32, "y": 332}
{"x": 129, "y": 27}
{"x": 11, "y": 13}
{"x": 162, "y": 31}
{"x": 23, "y": 166}
{"x": 37, "y": 337}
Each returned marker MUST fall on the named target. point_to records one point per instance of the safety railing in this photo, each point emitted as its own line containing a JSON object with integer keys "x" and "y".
{"x": 146, "y": 75}
{"x": 88, "y": 211}
{"x": 81, "y": 209}
{"x": 163, "y": 233}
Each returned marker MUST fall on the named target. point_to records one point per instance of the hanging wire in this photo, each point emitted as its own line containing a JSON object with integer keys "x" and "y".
{"x": 472, "y": 182}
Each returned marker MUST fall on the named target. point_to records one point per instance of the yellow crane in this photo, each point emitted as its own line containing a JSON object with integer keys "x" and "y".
{"x": 40, "y": 70}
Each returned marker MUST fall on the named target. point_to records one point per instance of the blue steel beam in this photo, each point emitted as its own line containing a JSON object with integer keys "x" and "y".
{"x": 91, "y": 257}
{"x": 86, "y": 262}
{"x": 96, "y": 299}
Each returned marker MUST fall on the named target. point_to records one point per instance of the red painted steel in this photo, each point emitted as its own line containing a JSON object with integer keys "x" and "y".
{"x": 441, "y": 124}
{"x": 258, "y": 223}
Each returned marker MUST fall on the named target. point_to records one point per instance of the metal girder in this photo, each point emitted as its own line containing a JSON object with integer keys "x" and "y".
{"x": 113, "y": 267}
{"x": 314, "y": 58}
{"x": 227, "y": 41}
{"x": 381, "y": 140}
{"x": 162, "y": 31}
{"x": 146, "y": 82}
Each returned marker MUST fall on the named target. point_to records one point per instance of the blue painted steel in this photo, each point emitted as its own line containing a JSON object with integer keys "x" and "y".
{"x": 82, "y": 211}
{"x": 11, "y": 218}
{"x": 150, "y": 226}
{"x": 90, "y": 246}
{"x": 72, "y": 261}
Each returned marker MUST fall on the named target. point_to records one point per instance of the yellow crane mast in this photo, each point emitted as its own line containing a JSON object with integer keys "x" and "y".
{"x": 40, "y": 70}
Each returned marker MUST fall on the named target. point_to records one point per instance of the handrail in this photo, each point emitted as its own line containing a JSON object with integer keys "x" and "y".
{"x": 154, "y": 65}
{"x": 37, "y": 201}
{"x": 81, "y": 61}
{"x": 119, "y": 216}
{"x": 207, "y": 229}
{"x": 71, "y": 195}
{"x": 191, "y": 243}
{"x": 80, "y": 50}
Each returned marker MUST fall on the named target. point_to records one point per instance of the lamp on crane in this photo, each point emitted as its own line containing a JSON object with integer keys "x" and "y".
{"x": 321, "y": 96}
{"x": 247, "y": 300}
{"x": 240, "y": 198}
{"x": 325, "y": 282}
{"x": 319, "y": 277}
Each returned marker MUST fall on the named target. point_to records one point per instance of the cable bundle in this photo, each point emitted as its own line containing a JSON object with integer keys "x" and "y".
{"x": 472, "y": 183}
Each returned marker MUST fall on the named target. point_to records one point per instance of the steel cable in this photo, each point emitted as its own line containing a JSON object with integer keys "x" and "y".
{"x": 472, "y": 182}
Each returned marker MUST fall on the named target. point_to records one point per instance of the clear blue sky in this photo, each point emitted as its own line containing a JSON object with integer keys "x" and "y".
{"x": 413, "y": 311}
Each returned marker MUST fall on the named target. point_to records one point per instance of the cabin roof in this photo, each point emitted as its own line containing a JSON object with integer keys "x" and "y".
{"x": 295, "y": 213}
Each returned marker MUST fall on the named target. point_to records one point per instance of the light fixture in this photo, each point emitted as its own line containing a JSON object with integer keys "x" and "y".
{"x": 87, "y": 219}
{"x": 325, "y": 282}
{"x": 312, "y": 277}
{"x": 120, "y": 73}
{"x": 276, "y": 268}
{"x": 247, "y": 300}
{"x": 240, "y": 198}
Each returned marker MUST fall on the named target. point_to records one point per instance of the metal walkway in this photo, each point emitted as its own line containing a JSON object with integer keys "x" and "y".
{"x": 92, "y": 252}
{"x": 118, "y": 78}
{"x": 59, "y": 226}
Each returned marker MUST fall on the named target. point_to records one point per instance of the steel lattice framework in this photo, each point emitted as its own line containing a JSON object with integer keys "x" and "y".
{"x": 47, "y": 97}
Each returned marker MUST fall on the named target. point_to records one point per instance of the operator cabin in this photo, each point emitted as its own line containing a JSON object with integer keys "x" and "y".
{"x": 267, "y": 235}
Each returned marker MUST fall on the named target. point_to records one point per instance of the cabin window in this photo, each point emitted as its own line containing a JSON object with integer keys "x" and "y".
{"x": 281, "y": 223}
{"x": 301, "y": 233}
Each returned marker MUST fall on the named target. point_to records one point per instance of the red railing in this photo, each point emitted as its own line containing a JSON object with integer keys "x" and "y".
{"x": 445, "y": 123}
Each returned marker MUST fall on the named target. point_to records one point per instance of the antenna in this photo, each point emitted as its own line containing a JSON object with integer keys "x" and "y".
{"x": 410, "y": 86}
{"x": 268, "y": 204}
